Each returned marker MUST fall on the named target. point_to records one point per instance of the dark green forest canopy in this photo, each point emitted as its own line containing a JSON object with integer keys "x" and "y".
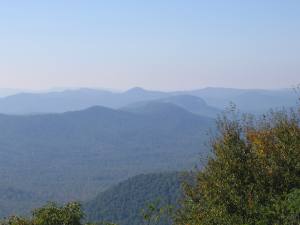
{"x": 124, "y": 202}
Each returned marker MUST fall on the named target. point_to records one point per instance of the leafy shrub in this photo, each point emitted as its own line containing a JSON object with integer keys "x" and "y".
{"x": 253, "y": 176}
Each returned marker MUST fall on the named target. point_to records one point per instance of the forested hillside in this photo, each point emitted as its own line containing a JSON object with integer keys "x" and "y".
{"x": 75, "y": 155}
{"x": 252, "y": 179}
{"x": 124, "y": 203}
{"x": 149, "y": 112}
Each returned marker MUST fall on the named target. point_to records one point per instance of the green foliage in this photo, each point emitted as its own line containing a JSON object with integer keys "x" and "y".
{"x": 285, "y": 211}
{"x": 155, "y": 215}
{"x": 253, "y": 177}
{"x": 292, "y": 205}
{"x": 145, "y": 196}
{"x": 53, "y": 214}
{"x": 15, "y": 220}
{"x": 69, "y": 214}
{"x": 123, "y": 203}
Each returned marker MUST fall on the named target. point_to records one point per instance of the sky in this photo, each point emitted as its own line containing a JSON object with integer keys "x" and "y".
{"x": 157, "y": 44}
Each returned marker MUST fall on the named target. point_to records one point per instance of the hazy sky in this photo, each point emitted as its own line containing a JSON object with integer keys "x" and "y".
{"x": 157, "y": 44}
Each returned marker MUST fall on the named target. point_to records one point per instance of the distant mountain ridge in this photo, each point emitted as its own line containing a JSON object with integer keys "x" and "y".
{"x": 4, "y": 92}
{"x": 248, "y": 100}
{"x": 70, "y": 100}
{"x": 70, "y": 145}
{"x": 256, "y": 101}
{"x": 188, "y": 102}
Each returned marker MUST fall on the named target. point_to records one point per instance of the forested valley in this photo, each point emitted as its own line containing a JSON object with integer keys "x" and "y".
{"x": 164, "y": 158}
{"x": 252, "y": 176}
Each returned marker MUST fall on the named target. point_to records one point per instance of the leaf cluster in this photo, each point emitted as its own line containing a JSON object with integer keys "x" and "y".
{"x": 53, "y": 214}
{"x": 253, "y": 176}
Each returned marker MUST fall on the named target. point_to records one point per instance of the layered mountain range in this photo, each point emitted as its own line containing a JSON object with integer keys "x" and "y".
{"x": 73, "y": 145}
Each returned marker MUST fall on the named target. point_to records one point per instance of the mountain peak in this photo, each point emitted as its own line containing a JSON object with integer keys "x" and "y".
{"x": 136, "y": 90}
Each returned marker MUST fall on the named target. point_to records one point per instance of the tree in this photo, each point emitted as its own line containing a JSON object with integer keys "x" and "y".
{"x": 53, "y": 214}
{"x": 15, "y": 220}
{"x": 155, "y": 214}
{"x": 69, "y": 214}
{"x": 253, "y": 176}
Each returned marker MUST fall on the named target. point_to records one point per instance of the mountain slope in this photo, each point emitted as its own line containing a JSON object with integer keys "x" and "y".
{"x": 248, "y": 100}
{"x": 124, "y": 202}
{"x": 188, "y": 102}
{"x": 69, "y": 100}
{"x": 62, "y": 157}
{"x": 13, "y": 200}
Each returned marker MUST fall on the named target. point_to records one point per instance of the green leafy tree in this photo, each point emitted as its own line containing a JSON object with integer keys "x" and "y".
{"x": 53, "y": 214}
{"x": 287, "y": 211}
{"x": 69, "y": 214}
{"x": 155, "y": 214}
{"x": 252, "y": 176}
{"x": 15, "y": 220}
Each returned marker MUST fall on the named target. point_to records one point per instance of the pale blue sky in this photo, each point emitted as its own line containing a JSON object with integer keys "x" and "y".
{"x": 156, "y": 44}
